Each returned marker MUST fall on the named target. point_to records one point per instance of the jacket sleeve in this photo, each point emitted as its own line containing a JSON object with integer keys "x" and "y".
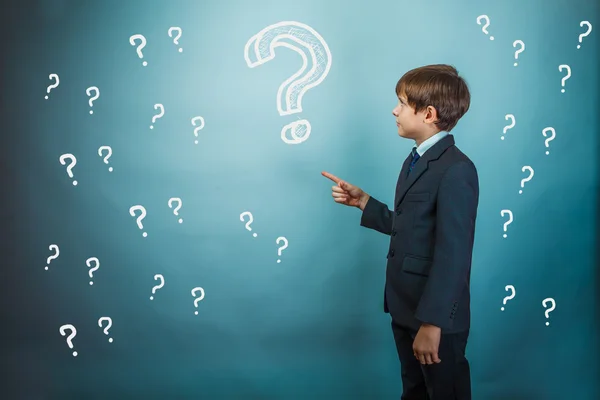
{"x": 457, "y": 201}
{"x": 377, "y": 216}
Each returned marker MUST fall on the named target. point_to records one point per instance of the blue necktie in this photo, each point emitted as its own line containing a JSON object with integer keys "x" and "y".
{"x": 414, "y": 160}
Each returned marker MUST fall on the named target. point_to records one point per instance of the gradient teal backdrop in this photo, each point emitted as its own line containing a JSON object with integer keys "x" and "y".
{"x": 311, "y": 326}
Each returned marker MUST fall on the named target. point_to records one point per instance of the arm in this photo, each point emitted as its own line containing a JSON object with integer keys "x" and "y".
{"x": 376, "y": 215}
{"x": 457, "y": 201}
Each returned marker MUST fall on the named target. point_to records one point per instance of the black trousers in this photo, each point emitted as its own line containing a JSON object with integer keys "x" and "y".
{"x": 448, "y": 380}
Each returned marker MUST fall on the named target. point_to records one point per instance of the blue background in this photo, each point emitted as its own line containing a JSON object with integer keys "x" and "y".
{"x": 313, "y": 325}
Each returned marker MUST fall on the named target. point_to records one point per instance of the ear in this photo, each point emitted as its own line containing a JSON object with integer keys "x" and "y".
{"x": 430, "y": 115}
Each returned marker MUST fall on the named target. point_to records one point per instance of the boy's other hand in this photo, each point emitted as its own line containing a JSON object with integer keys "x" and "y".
{"x": 426, "y": 344}
{"x": 346, "y": 193}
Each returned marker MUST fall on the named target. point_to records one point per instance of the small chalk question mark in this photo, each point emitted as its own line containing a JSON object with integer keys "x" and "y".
{"x": 564, "y": 79}
{"x": 108, "y": 325}
{"x": 194, "y": 290}
{"x": 547, "y": 141}
{"x": 52, "y": 257}
{"x": 89, "y": 264}
{"x": 178, "y": 29}
{"x": 198, "y": 128}
{"x": 55, "y": 85}
{"x": 71, "y": 165}
{"x": 248, "y": 213}
{"x": 521, "y": 49}
{"x": 527, "y": 167}
{"x": 512, "y": 288}
{"x": 88, "y": 92}
{"x": 109, "y": 151}
{"x": 70, "y": 338}
{"x": 142, "y": 210}
{"x": 589, "y": 30}
{"x": 512, "y": 124}
{"x": 159, "y": 115}
{"x": 170, "y": 203}
{"x": 138, "y": 50}
{"x": 547, "y": 312}
{"x": 510, "y": 219}
{"x": 280, "y": 249}
{"x": 160, "y": 285}
{"x": 487, "y": 23}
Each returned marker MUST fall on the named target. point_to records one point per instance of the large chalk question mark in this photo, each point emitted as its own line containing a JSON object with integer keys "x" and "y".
{"x": 487, "y": 23}
{"x": 194, "y": 290}
{"x": 249, "y": 214}
{"x": 55, "y": 85}
{"x": 52, "y": 257}
{"x": 522, "y": 49}
{"x": 280, "y": 249}
{"x": 564, "y": 79}
{"x": 512, "y": 288}
{"x": 198, "y": 128}
{"x": 160, "y": 285}
{"x": 547, "y": 141}
{"x": 547, "y": 312}
{"x": 512, "y": 124}
{"x": 159, "y": 115}
{"x": 170, "y": 203}
{"x": 89, "y": 264}
{"x": 510, "y": 219}
{"x": 526, "y": 167}
{"x": 142, "y": 210}
{"x": 178, "y": 29}
{"x": 581, "y": 24}
{"x": 109, "y": 320}
{"x": 88, "y": 92}
{"x": 70, "y": 338}
{"x": 109, "y": 151}
{"x": 260, "y": 48}
{"x": 138, "y": 50}
{"x": 71, "y": 165}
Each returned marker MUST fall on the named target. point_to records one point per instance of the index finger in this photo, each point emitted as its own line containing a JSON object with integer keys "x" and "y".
{"x": 330, "y": 176}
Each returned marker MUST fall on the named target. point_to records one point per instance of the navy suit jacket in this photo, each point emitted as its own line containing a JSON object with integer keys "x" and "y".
{"x": 431, "y": 228}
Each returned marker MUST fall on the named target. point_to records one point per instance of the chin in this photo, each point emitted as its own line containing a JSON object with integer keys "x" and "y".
{"x": 402, "y": 133}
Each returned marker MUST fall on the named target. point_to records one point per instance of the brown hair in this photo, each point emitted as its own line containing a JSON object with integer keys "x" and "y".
{"x": 438, "y": 86}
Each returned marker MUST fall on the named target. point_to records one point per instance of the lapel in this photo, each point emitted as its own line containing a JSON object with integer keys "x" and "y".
{"x": 433, "y": 153}
{"x": 403, "y": 170}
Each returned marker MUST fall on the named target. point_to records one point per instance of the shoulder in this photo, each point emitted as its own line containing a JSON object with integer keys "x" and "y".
{"x": 459, "y": 168}
{"x": 456, "y": 154}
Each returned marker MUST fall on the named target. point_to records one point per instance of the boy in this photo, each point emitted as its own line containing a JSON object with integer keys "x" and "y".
{"x": 431, "y": 228}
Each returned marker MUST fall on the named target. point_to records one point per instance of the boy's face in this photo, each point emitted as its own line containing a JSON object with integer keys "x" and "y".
{"x": 407, "y": 121}
{"x": 410, "y": 125}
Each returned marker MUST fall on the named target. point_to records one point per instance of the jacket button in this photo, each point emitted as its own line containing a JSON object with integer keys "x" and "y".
{"x": 398, "y": 212}
{"x": 393, "y": 233}
{"x": 392, "y": 253}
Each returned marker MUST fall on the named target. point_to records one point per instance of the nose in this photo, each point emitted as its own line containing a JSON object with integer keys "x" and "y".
{"x": 395, "y": 112}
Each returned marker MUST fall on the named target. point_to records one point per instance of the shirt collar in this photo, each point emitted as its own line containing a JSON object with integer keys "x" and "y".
{"x": 423, "y": 147}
